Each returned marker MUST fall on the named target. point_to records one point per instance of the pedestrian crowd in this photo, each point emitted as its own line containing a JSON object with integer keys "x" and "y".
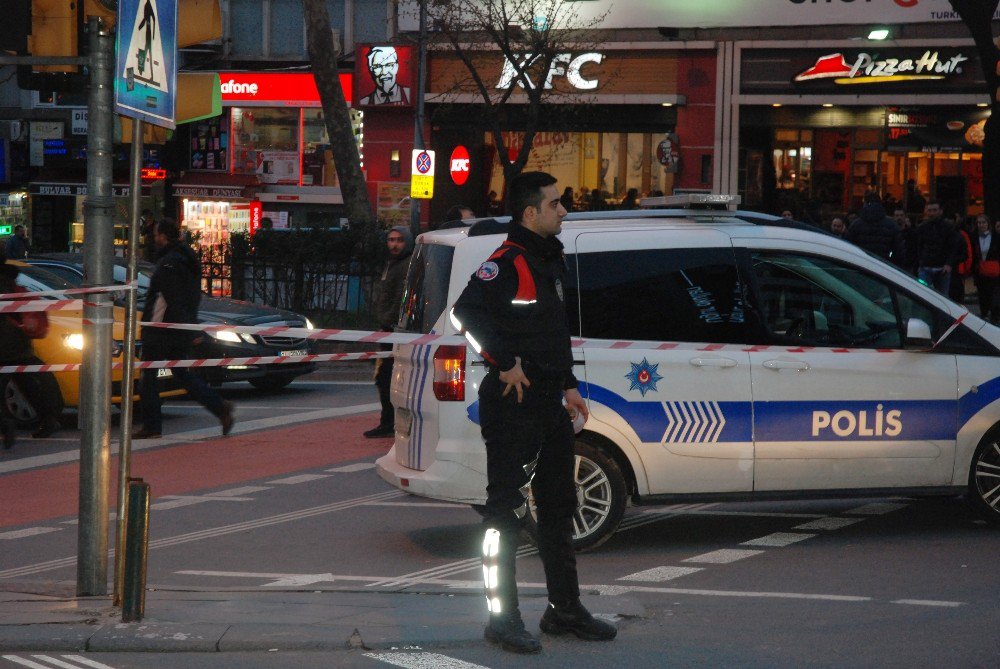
{"x": 942, "y": 250}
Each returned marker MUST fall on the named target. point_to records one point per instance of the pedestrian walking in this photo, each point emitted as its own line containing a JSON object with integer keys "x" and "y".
{"x": 939, "y": 249}
{"x": 17, "y": 245}
{"x": 388, "y": 295}
{"x": 16, "y": 333}
{"x": 877, "y": 233}
{"x": 513, "y": 314}
{"x": 173, "y": 297}
{"x": 986, "y": 263}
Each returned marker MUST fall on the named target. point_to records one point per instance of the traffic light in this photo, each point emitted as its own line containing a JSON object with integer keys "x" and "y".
{"x": 17, "y": 25}
{"x": 54, "y": 32}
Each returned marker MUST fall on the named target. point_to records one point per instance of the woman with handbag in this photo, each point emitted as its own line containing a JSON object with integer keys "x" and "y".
{"x": 986, "y": 267}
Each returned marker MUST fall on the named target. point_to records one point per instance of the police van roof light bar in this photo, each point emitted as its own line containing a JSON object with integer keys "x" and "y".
{"x": 691, "y": 201}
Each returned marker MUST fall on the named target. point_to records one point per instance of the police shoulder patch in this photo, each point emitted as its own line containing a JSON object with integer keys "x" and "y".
{"x": 488, "y": 271}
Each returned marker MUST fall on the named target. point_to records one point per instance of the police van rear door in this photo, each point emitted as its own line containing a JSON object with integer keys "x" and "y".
{"x": 839, "y": 403}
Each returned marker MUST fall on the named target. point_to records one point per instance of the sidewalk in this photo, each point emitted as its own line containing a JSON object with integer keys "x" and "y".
{"x": 211, "y": 621}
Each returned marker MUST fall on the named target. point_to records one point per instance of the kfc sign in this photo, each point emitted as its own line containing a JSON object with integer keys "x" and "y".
{"x": 563, "y": 65}
{"x": 460, "y": 165}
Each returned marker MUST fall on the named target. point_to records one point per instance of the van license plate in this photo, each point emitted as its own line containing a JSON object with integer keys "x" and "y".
{"x": 290, "y": 354}
{"x": 160, "y": 373}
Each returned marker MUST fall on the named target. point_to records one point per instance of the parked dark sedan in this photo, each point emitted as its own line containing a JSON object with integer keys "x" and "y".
{"x": 220, "y": 343}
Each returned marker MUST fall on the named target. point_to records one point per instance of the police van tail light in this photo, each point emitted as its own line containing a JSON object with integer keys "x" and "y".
{"x": 449, "y": 373}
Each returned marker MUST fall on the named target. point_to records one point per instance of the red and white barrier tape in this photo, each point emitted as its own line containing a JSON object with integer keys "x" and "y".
{"x": 37, "y": 305}
{"x": 439, "y": 339}
{"x": 210, "y": 362}
{"x": 69, "y": 291}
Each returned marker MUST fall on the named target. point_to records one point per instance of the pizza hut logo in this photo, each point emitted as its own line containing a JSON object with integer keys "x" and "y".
{"x": 870, "y": 68}
{"x": 232, "y": 87}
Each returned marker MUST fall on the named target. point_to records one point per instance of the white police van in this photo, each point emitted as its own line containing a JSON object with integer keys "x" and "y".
{"x": 726, "y": 355}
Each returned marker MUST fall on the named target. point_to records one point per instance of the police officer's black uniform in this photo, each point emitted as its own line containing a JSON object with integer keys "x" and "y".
{"x": 513, "y": 306}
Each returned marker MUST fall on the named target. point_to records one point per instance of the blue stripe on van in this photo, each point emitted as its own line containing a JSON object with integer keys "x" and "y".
{"x": 411, "y": 401}
{"x": 420, "y": 403}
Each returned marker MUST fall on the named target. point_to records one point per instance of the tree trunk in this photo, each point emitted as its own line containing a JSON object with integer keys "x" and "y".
{"x": 977, "y": 15}
{"x": 323, "y": 56}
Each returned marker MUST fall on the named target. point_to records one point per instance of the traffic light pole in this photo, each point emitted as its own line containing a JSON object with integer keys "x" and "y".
{"x": 95, "y": 376}
{"x": 128, "y": 371}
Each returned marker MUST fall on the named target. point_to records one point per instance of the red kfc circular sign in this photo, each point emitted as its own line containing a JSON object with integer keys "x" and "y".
{"x": 460, "y": 165}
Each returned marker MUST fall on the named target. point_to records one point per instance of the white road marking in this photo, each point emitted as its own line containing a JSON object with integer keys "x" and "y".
{"x": 439, "y": 505}
{"x": 301, "y": 478}
{"x": 356, "y": 467}
{"x": 723, "y": 556}
{"x": 236, "y": 492}
{"x": 657, "y": 574}
{"x": 877, "y": 508}
{"x": 423, "y": 661}
{"x": 25, "y": 662}
{"x": 73, "y": 455}
{"x": 89, "y": 663}
{"x": 213, "y": 532}
{"x": 778, "y": 539}
{"x": 828, "y": 524}
{"x": 177, "y": 501}
{"x": 28, "y": 532}
{"x": 621, "y": 589}
{"x": 750, "y": 514}
{"x": 76, "y": 521}
{"x": 600, "y": 588}
{"x": 367, "y": 382}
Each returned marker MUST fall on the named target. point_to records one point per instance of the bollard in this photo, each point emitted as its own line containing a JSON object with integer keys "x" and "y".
{"x": 136, "y": 552}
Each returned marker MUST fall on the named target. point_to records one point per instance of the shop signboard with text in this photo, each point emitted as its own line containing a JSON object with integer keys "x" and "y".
{"x": 275, "y": 89}
{"x": 872, "y": 69}
{"x": 737, "y": 13}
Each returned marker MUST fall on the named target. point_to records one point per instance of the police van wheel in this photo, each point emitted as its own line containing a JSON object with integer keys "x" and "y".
{"x": 601, "y": 497}
{"x": 984, "y": 477}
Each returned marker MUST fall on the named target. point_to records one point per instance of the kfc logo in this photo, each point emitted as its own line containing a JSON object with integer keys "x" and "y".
{"x": 460, "y": 165}
{"x": 563, "y": 64}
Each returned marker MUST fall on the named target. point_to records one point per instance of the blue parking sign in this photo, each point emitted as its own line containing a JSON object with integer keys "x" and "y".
{"x": 146, "y": 61}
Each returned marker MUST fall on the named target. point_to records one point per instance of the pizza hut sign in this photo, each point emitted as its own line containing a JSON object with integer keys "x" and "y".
{"x": 874, "y": 69}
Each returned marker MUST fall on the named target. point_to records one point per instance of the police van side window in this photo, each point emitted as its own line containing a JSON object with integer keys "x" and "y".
{"x": 425, "y": 293}
{"x": 687, "y": 295}
{"x": 815, "y": 301}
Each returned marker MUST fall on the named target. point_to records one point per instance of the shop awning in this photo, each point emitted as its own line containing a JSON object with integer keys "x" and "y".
{"x": 301, "y": 195}
{"x": 216, "y": 185}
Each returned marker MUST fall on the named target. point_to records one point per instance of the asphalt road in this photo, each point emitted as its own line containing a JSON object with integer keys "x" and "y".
{"x": 292, "y": 505}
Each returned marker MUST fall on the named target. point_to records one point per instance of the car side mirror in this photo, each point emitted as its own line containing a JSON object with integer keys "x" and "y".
{"x": 918, "y": 333}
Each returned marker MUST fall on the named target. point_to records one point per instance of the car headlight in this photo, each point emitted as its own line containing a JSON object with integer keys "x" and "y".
{"x": 74, "y": 340}
{"x": 309, "y": 325}
{"x": 225, "y": 335}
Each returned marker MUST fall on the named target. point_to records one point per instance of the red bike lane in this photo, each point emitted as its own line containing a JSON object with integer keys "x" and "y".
{"x": 53, "y": 492}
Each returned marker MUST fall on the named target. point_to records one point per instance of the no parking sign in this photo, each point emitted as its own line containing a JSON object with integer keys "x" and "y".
{"x": 422, "y": 174}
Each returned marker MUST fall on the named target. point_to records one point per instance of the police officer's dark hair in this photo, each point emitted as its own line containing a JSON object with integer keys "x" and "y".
{"x": 169, "y": 228}
{"x": 526, "y": 191}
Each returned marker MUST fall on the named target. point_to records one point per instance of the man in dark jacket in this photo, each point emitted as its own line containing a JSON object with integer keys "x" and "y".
{"x": 388, "y": 295}
{"x": 513, "y": 314}
{"x": 173, "y": 297}
{"x": 877, "y": 233}
{"x": 939, "y": 249}
{"x": 16, "y": 349}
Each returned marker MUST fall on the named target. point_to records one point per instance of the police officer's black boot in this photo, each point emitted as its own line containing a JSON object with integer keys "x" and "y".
{"x": 575, "y": 618}
{"x": 506, "y": 628}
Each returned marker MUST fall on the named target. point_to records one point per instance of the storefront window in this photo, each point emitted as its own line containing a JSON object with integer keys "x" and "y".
{"x": 266, "y": 143}
{"x": 610, "y": 163}
{"x": 317, "y": 158}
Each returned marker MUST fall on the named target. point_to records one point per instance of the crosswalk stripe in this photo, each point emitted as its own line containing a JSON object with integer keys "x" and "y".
{"x": 423, "y": 661}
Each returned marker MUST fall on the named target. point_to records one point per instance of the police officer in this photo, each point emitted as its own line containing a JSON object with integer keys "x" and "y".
{"x": 513, "y": 314}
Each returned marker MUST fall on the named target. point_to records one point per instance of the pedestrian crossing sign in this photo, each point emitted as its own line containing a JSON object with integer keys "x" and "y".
{"x": 146, "y": 62}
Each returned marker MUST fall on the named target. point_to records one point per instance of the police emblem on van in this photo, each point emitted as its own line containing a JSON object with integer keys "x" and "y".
{"x": 487, "y": 271}
{"x": 643, "y": 376}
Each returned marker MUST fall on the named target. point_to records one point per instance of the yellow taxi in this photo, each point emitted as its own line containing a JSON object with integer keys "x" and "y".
{"x": 64, "y": 345}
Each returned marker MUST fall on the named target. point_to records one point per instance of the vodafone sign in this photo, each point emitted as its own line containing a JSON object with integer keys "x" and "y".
{"x": 459, "y": 165}
{"x": 274, "y": 89}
